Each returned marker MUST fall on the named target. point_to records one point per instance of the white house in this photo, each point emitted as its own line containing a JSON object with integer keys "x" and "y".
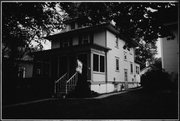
{"x": 106, "y": 64}
{"x": 170, "y": 51}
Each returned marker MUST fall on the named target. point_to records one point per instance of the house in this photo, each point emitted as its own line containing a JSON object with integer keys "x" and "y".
{"x": 170, "y": 50}
{"x": 106, "y": 64}
{"x": 170, "y": 47}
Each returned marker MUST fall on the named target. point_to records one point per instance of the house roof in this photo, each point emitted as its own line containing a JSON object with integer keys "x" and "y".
{"x": 106, "y": 26}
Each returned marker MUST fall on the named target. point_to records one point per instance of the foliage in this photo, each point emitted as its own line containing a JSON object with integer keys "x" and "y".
{"x": 141, "y": 22}
{"x": 158, "y": 63}
{"x": 156, "y": 79}
{"x": 24, "y": 22}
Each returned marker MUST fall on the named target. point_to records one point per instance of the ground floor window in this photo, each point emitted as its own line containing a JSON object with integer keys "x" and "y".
{"x": 137, "y": 69}
{"x": 131, "y": 64}
{"x": 125, "y": 75}
{"x": 98, "y": 63}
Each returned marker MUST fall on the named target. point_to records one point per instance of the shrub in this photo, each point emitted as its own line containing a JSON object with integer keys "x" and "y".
{"x": 156, "y": 80}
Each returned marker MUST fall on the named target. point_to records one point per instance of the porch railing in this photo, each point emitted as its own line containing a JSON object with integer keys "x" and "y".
{"x": 60, "y": 84}
{"x": 71, "y": 83}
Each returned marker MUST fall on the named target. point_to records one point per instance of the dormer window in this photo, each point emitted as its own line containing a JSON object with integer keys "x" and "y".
{"x": 66, "y": 42}
{"x": 86, "y": 39}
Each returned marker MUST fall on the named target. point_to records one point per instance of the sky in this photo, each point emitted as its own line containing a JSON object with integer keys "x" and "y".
{"x": 158, "y": 49}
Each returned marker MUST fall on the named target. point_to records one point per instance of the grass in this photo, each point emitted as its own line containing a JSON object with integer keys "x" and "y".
{"x": 136, "y": 104}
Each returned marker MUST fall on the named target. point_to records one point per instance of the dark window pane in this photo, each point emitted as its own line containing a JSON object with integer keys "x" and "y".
{"x": 95, "y": 62}
{"x": 101, "y": 63}
{"x": 131, "y": 68}
{"x": 117, "y": 64}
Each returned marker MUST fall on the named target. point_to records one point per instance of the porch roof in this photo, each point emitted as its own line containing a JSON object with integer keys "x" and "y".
{"x": 73, "y": 49}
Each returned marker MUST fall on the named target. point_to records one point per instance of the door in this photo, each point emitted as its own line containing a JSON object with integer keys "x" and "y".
{"x": 126, "y": 78}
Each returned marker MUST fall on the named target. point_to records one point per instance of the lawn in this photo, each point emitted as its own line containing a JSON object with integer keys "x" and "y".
{"x": 135, "y": 104}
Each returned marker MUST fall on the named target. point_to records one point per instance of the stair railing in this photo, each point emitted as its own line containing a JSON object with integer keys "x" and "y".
{"x": 58, "y": 83}
{"x": 71, "y": 83}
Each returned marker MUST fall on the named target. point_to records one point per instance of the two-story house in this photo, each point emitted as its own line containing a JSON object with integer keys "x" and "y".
{"x": 107, "y": 65}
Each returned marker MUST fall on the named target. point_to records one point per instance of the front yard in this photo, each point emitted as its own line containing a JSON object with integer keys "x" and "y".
{"x": 135, "y": 104}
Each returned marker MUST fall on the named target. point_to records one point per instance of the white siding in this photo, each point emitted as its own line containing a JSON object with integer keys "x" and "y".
{"x": 170, "y": 54}
{"x": 118, "y": 52}
{"x": 98, "y": 77}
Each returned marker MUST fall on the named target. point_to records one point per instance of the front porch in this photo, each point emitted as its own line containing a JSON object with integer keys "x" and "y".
{"x": 63, "y": 61}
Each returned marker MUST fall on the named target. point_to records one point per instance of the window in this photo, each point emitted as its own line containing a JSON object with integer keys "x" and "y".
{"x": 125, "y": 55}
{"x": 98, "y": 63}
{"x": 38, "y": 71}
{"x": 66, "y": 43}
{"x": 95, "y": 62}
{"x": 117, "y": 43}
{"x": 137, "y": 69}
{"x": 86, "y": 39}
{"x": 101, "y": 63}
{"x": 21, "y": 72}
{"x": 117, "y": 64}
{"x": 131, "y": 64}
{"x": 72, "y": 25}
{"x": 125, "y": 75}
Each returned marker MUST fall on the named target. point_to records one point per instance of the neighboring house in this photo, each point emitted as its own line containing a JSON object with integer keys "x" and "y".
{"x": 25, "y": 67}
{"x": 170, "y": 50}
{"x": 106, "y": 64}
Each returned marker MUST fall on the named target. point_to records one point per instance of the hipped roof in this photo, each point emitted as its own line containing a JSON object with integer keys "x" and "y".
{"x": 106, "y": 26}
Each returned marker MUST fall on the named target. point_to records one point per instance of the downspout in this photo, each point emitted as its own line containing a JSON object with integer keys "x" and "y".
{"x": 106, "y": 59}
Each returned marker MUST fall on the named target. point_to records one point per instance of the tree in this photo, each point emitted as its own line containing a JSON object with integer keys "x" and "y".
{"x": 141, "y": 22}
{"x": 24, "y": 22}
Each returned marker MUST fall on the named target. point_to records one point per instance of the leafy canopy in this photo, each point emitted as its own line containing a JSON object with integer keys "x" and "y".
{"x": 142, "y": 22}
{"x": 24, "y": 22}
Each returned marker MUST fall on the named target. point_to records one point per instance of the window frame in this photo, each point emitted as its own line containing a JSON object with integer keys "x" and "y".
{"x": 99, "y": 64}
{"x": 117, "y": 66}
{"x": 137, "y": 69}
{"x": 125, "y": 55}
{"x": 131, "y": 67}
{"x": 117, "y": 42}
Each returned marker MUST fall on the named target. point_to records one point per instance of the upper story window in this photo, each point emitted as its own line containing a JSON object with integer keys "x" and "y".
{"x": 98, "y": 63}
{"x": 66, "y": 42}
{"x": 117, "y": 64}
{"x": 125, "y": 55}
{"x": 85, "y": 39}
{"x": 117, "y": 42}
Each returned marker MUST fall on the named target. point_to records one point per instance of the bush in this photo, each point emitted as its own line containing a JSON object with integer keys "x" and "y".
{"x": 156, "y": 80}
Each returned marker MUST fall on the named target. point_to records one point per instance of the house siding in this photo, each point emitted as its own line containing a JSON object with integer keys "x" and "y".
{"x": 170, "y": 53}
{"x": 112, "y": 74}
{"x": 99, "y": 37}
